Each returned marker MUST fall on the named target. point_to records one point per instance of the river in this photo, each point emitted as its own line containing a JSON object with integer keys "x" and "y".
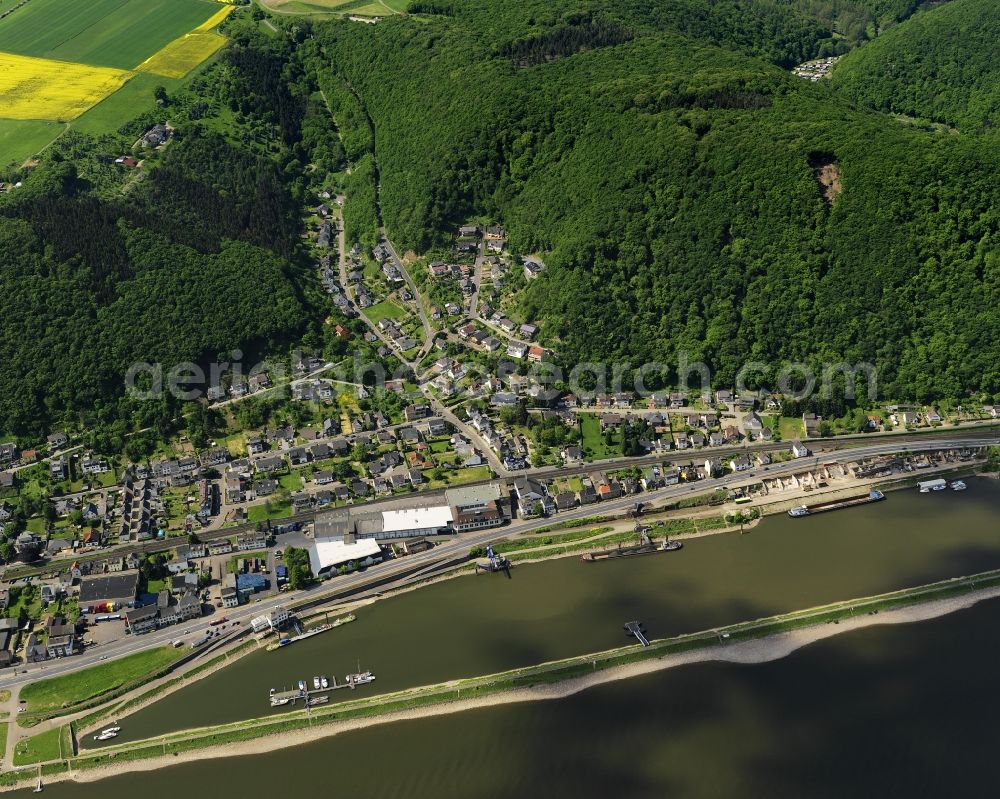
{"x": 481, "y": 624}
{"x": 907, "y": 710}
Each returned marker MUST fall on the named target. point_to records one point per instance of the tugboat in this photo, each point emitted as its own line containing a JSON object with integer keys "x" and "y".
{"x": 799, "y": 510}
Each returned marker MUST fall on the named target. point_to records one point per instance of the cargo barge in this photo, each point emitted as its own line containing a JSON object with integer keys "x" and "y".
{"x": 310, "y": 633}
{"x": 647, "y": 547}
{"x": 836, "y": 504}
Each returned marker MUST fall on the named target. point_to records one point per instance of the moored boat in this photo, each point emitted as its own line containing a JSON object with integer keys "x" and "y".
{"x": 361, "y": 678}
{"x": 958, "y": 485}
{"x": 799, "y": 510}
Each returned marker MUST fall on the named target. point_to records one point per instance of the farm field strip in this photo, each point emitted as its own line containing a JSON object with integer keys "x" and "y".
{"x": 112, "y": 33}
{"x": 44, "y": 76}
{"x": 182, "y": 55}
{"x": 40, "y": 88}
{"x": 216, "y": 19}
{"x": 365, "y": 7}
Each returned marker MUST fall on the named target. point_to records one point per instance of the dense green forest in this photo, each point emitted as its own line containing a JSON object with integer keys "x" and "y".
{"x": 199, "y": 258}
{"x": 688, "y": 194}
{"x": 941, "y": 65}
{"x": 673, "y": 184}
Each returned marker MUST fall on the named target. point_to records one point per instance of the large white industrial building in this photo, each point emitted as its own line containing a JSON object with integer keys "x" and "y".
{"x": 353, "y": 535}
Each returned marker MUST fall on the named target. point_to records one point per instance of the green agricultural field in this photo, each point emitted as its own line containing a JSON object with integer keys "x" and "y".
{"x": 364, "y": 7}
{"x": 20, "y": 139}
{"x": 57, "y": 692}
{"x": 113, "y": 33}
{"x": 376, "y": 9}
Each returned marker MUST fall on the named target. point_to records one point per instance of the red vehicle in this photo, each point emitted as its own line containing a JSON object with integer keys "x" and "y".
{"x": 223, "y": 620}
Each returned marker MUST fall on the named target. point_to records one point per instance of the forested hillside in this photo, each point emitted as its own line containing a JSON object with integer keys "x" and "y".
{"x": 196, "y": 259}
{"x": 672, "y": 182}
{"x": 941, "y": 65}
{"x": 88, "y": 290}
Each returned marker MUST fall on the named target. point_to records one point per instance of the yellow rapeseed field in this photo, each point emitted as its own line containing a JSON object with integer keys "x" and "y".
{"x": 182, "y": 55}
{"x": 215, "y": 19}
{"x": 40, "y": 88}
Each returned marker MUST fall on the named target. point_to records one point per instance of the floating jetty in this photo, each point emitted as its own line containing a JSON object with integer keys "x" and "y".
{"x": 647, "y": 547}
{"x": 310, "y": 633}
{"x": 836, "y": 504}
{"x": 321, "y": 697}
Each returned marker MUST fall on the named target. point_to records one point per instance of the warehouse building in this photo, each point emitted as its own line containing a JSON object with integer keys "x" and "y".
{"x": 116, "y": 589}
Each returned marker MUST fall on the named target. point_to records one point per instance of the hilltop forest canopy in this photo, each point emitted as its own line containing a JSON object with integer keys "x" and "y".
{"x": 689, "y": 195}
{"x": 942, "y": 65}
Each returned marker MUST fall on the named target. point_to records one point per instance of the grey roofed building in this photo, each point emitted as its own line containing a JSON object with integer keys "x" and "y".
{"x": 265, "y": 487}
{"x": 139, "y": 620}
{"x": 117, "y": 587}
{"x": 565, "y": 500}
{"x": 189, "y": 606}
{"x": 270, "y": 464}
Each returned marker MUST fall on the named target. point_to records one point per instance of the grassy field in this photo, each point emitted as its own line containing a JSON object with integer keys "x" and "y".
{"x": 363, "y": 7}
{"x": 376, "y": 9}
{"x": 112, "y": 33}
{"x": 37, "y": 88}
{"x": 457, "y": 478}
{"x": 38, "y": 748}
{"x": 790, "y": 427}
{"x": 260, "y": 513}
{"x": 593, "y": 439}
{"x": 69, "y": 689}
{"x": 386, "y": 309}
{"x": 20, "y": 139}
